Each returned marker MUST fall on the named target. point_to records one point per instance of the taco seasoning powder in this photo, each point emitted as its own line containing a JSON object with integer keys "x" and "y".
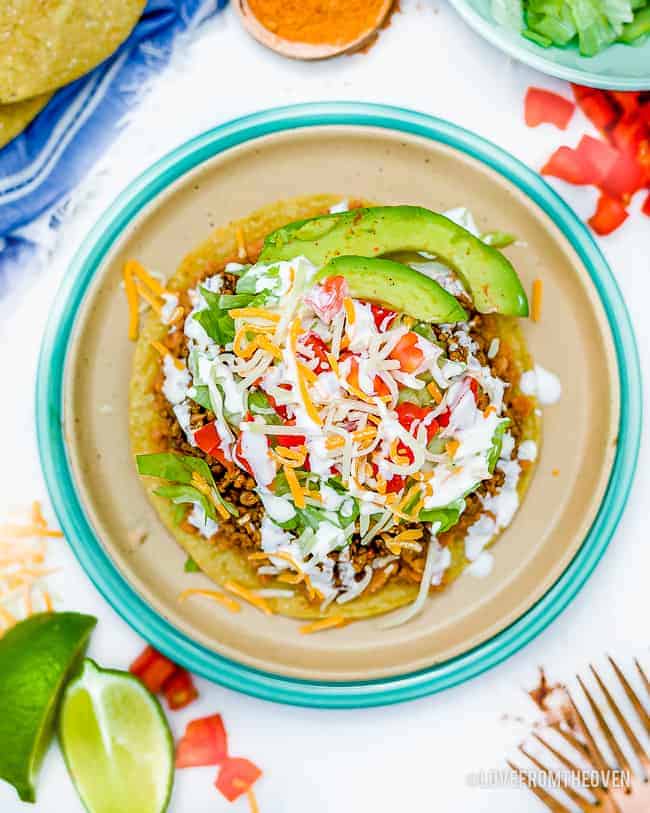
{"x": 318, "y": 22}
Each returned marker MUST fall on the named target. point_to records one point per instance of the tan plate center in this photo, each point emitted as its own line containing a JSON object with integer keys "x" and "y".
{"x": 572, "y": 339}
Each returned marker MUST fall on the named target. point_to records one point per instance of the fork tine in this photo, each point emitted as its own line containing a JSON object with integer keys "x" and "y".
{"x": 596, "y": 791}
{"x": 595, "y": 754}
{"x": 571, "y": 738}
{"x": 644, "y": 677}
{"x": 631, "y": 736}
{"x": 631, "y": 696}
{"x": 619, "y": 756}
{"x": 558, "y": 781}
{"x": 550, "y": 801}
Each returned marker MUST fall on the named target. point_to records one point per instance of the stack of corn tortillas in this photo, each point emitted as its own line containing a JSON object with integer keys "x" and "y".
{"x": 45, "y": 44}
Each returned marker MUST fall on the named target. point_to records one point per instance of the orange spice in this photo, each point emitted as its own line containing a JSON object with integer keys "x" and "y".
{"x": 318, "y": 22}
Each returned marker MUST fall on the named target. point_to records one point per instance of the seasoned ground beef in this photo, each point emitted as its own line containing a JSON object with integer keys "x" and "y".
{"x": 237, "y": 487}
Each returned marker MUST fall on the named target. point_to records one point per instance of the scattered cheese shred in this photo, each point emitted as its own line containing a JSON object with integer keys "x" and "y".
{"x": 324, "y": 624}
{"x": 215, "y": 595}
{"x": 434, "y": 391}
{"x": 242, "y": 251}
{"x": 536, "y": 306}
{"x": 200, "y": 483}
{"x": 252, "y": 801}
{"x": 248, "y": 596}
{"x": 165, "y": 351}
{"x": 131, "y": 299}
{"x": 254, "y": 313}
{"x": 451, "y": 447}
{"x": 349, "y": 310}
{"x": 296, "y": 492}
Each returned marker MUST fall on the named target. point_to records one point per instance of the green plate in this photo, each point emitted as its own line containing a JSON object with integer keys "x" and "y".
{"x": 93, "y": 554}
{"x": 619, "y": 67}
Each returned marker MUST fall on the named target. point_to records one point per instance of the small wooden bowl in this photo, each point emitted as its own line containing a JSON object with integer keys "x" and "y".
{"x": 306, "y": 50}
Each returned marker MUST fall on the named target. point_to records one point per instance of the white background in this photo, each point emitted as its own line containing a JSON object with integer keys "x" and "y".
{"x": 409, "y": 757}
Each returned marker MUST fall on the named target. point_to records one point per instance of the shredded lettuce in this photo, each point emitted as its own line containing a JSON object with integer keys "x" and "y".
{"x": 592, "y": 25}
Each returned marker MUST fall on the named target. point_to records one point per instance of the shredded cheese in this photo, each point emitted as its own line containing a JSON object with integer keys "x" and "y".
{"x": 324, "y": 624}
{"x": 536, "y": 306}
{"x": 248, "y": 596}
{"x": 165, "y": 351}
{"x": 434, "y": 391}
{"x": 296, "y": 492}
{"x": 228, "y": 602}
{"x": 242, "y": 251}
{"x": 254, "y": 313}
{"x": 349, "y": 310}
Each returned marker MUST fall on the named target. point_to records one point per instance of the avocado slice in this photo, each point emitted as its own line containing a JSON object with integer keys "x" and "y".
{"x": 395, "y": 285}
{"x": 486, "y": 273}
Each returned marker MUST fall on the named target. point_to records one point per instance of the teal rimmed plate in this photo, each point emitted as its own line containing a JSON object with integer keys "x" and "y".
{"x": 619, "y": 67}
{"x": 562, "y": 528}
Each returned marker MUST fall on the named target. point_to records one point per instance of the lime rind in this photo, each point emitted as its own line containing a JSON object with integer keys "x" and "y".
{"x": 116, "y": 743}
{"x": 37, "y": 659}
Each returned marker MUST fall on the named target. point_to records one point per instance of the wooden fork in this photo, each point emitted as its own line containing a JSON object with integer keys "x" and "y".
{"x": 632, "y": 795}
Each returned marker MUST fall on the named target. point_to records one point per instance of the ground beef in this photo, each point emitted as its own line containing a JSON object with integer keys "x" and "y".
{"x": 243, "y": 532}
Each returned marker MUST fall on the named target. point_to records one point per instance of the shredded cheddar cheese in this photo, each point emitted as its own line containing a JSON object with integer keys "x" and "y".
{"x": 434, "y": 391}
{"x": 349, "y": 310}
{"x": 242, "y": 251}
{"x": 248, "y": 596}
{"x": 323, "y": 624}
{"x": 165, "y": 351}
{"x": 254, "y": 313}
{"x": 451, "y": 447}
{"x": 296, "y": 492}
{"x": 536, "y": 306}
{"x": 215, "y": 595}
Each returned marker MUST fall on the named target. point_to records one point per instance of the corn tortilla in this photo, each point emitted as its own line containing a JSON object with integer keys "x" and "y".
{"x": 45, "y": 44}
{"x": 15, "y": 117}
{"x": 231, "y": 563}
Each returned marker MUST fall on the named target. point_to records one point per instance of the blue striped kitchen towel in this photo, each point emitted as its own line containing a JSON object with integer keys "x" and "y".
{"x": 40, "y": 167}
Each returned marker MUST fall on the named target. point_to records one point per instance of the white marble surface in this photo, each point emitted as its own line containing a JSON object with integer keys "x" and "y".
{"x": 408, "y": 757}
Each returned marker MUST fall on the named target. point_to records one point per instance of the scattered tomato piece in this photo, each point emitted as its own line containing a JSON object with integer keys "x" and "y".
{"x": 408, "y": 353}
{"x": 320, "y": 351}
{"x": 544, "y": 107}
{"x": 382, "y": 316}
{"x": 204, "y": 743}
{"x": 596, "y": 106}
{"x": 567, "y": 165}
{"x": 646, "y": 206}
{"x": 609, "y": 215}
{"x": 179, "y": 690}
{"x": 153, "y": 669}
{"x": 236, "y": 776}
{"x": 599, "y": 156}
{"x": 625, "y": 178}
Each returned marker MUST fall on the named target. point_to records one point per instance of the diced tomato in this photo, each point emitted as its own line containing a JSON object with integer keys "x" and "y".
{"x": 204, "y": 743}
{"x": 407, "y": 352}
{"x": 596, "y": 106}
{"x": 279, "y": 408}
{"x": 153, "y": 669}
{"x": 207, "y": 437}
{"x": 628, "y": 100}
{"x": 290, "y": 440}
{"x": 379, "y": 386}
{"x": 395, "y": 484}
{"x": 624, "y": 179}
{"x": 208, "y": 440}
{"x": 236, "y": 777}
{"x": 241, "y": 460}
{"x": 320, "y": 351}
{"x": 599, "y": 156}
{"x": 473, "y": 385}
{"x": 327, "y": 298}
{"x": 568, "y": 165}
{"x": 444, "y": 418}
{"x": 544, "y": 107}
{"x": 628, "y": 133}
{"x": 383, "y": 316}
{"x": 646, "y": 206}
{"x": 179, "y": 690}
{"x": 408, "y": 413}
{"x": 609, "y": 215}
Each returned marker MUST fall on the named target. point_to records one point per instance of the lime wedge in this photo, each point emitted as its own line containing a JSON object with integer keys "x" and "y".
{"x": 116, "y": 742}
{"x": 37, "y": 658}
